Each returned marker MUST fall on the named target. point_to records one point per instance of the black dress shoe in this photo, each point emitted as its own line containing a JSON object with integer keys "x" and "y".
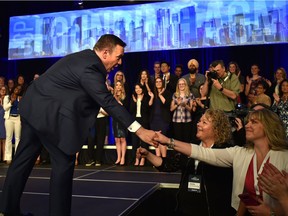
{"x": 26, "y": 214}
{"x": 44, "y": 162}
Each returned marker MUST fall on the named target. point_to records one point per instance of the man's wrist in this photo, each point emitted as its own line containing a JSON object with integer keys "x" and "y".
{"x": 135, "y": 126}
{"x": 221, "y": 89}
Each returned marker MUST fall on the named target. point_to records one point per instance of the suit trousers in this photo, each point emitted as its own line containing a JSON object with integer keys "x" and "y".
{"x": 22, "y": 164}
{"x": 100, "y": 134}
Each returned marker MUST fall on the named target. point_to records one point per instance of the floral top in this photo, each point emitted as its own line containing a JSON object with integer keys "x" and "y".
{"x": 282, "y": 110}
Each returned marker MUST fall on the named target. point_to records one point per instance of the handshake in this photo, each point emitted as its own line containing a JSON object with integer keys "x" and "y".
{"x": 151, "y": 137}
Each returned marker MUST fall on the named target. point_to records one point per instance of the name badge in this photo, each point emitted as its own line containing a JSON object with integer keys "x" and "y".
{"x": 194, "y": 183}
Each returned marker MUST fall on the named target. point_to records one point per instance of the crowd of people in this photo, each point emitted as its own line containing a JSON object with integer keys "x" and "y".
{"x": 178, "y": 100}
{"x": 172, "y": 111}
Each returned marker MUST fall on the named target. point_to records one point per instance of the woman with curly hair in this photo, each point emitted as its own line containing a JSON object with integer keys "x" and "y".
{"x": 266, "y": 142}
{"x": 213, "y": 195}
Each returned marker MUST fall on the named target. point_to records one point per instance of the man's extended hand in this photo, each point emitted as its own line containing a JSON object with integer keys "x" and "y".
{"x": 147, "y": 136}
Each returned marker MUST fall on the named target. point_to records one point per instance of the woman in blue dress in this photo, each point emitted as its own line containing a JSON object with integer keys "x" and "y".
{"x": 3, "y": 92}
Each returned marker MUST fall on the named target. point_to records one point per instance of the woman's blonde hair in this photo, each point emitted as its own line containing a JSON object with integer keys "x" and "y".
{"x": 123, "y": 93}
{"x": 187, "y": 90}
{"x": 123, "y": 75}
{"x": 273, "y": 128}
{"x": 221, "y": 125}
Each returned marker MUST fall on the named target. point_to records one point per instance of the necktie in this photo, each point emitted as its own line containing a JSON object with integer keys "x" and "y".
{"x": 164, "y": 80}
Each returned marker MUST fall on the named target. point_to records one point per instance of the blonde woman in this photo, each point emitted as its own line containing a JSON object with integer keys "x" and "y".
{"x": 120, "y": 76}
{"x": 279, "y": 75}
{"x": 266, "y": 142}
{"x": 183, "y": 105}
{"x": 120, "y": 132}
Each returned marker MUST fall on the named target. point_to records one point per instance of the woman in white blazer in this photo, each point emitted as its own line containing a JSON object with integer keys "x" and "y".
{"x": 266, "y": 142}
{"x": 12, "y": 121}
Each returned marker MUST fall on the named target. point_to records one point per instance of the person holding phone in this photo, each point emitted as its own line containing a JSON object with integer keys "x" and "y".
{"x": 266, "y": 142}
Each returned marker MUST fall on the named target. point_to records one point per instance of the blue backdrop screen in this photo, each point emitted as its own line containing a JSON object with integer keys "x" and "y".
{"x": 154, "y": 26}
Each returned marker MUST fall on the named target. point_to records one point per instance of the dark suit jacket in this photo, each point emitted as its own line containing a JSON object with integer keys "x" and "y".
{"x": 63, "y": 102}
{"x": 171, "y": 86}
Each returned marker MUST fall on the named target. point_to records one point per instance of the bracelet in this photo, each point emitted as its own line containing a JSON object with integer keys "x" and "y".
{"x": 221, "y": 89}
{"x": 272, "y": 213}
{"x": 171, "y": 144}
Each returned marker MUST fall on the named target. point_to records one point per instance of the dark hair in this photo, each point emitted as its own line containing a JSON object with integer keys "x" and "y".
{"x": 157, "y": 62}
{"x": 140, "y": 73}
{"x": 138, "y": 84}
{"x": 280, "y": 87}
{"x": 164, "y": 62}
{"x": 217, "y": 62}
{"x": 108, "y": 41}
{"x": 236, "y": 65}
{"x": 263, "y": 83}
{"x": 265, "y": 106}
{"x": 155, "y": 89}
{"x": 179, "y": 66}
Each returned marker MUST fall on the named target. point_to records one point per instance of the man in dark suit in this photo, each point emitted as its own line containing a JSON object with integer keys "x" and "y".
{"x": 57, "y": 110}
{"x": 170, "y": 80}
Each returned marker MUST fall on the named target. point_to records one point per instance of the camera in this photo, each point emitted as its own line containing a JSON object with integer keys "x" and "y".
{"x": 212, "y": 75}
{"x": 240, "y": 112}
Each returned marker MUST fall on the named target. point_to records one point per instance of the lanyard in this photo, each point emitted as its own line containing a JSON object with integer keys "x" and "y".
{"x": 257, "y": 190}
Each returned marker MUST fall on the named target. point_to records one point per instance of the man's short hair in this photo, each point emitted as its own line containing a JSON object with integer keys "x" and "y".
{"x": 165, "y": 62}
{"x": 217, "y": 62}
{"x": 108, "y": 41}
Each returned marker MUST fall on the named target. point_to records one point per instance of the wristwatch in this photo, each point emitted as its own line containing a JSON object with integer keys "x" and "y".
{"x": 221, "y": 89}
{"x": 272, "y": 213}
{"x": 171, "y": 144}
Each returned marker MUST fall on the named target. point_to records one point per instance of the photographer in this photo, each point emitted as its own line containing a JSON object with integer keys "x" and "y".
{"x": 222, "y": 87}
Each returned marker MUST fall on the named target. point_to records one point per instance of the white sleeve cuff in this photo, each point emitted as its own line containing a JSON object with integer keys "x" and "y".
{"x": 134, "y": 127}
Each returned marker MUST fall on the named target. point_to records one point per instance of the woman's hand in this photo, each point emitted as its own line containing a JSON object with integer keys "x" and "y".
{"x": 261, "y": 210}
{"x": 141, "y": 153}
{"x": 274, "y": 182}
{"x": 239, "y": 124}
{"x": 161, "y": 138}
{"x": 276, "y": 97}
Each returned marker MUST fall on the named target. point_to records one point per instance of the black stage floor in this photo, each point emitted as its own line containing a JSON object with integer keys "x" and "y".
{"x": 107, "y": 190}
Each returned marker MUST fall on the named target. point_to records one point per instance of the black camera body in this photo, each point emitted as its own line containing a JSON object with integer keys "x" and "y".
{"x": 240, "y": 112}
{"x": 212, "y": 75}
